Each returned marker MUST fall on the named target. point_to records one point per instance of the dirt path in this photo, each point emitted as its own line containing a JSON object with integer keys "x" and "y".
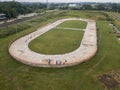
{"x": 70, "y": 28}
{"x": 20, "y": 51}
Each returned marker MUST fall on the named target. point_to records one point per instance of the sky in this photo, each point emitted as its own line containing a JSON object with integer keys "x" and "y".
{"x": 116, "y": 1}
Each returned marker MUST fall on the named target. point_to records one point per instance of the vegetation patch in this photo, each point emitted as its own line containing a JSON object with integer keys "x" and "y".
{"x": 111, "y": 79}
{"x": 9, "y": 30}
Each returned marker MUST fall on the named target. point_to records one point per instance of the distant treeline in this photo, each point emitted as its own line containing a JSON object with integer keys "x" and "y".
{"x": 13, "y": 9}
{"x": 92, "y": 6}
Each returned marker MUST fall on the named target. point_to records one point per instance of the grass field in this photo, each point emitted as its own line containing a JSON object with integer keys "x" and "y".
{"x": 17, "y": 76}
{"x": 73, "y": 24}
{"x": 57, "y": 41}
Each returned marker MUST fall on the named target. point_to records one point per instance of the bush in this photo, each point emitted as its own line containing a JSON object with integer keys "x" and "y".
{"x": 12, "y": 29}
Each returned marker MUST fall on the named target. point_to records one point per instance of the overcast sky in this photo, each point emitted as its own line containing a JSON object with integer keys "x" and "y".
{"x": 117, "y": 1}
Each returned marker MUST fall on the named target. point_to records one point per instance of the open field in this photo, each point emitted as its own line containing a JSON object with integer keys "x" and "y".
{"x": 17, "y": 76}
{"x": 57, "y": 41}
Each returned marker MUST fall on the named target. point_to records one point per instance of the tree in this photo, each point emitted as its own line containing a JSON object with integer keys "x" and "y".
{"x": 100, "y": 7}
{"x": 87, "y": 7}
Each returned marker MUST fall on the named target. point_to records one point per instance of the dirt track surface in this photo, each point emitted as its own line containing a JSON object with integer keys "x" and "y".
{"x": 20, "y": 51}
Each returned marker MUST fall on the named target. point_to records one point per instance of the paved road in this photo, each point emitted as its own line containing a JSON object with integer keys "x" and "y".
{"x": 20, "y": 51}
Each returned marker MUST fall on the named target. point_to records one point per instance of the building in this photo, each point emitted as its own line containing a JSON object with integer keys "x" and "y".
{"x": 2, "y": 17}
{"x": 72, "y": 5}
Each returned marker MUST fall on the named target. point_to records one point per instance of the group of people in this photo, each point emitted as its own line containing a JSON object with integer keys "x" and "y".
{"x": 58, "y": 62}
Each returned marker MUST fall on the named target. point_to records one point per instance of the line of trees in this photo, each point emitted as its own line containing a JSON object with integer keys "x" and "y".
{"x": 13, "y": 9}
{"x": 93, "y": 6}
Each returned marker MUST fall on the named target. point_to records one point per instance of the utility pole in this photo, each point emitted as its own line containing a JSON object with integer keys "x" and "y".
{"x": 46, "y": 6}
{"x": 16, "y": 30}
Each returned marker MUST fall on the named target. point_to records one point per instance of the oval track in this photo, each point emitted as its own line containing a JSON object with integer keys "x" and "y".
{"x": 20, "y": 51}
